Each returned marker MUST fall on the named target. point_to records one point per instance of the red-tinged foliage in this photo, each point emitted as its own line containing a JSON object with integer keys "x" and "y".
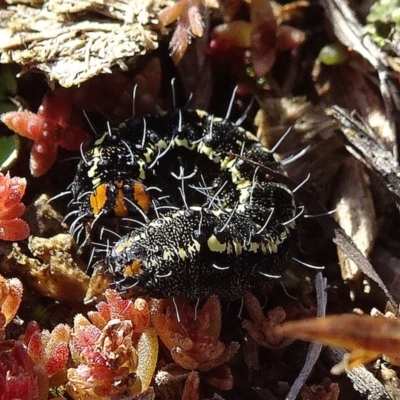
{"x": 193, "y": 339}
{"x": 48, "y": 349}
{"x": 117, "y": 308}
{"x": 100, "y": 378}
{"x": 11, "y": 191}
{"x": 19, "y": 377}
{"x": 84, "y": 336}
{"x": 49, "y": 129}
{"x": 96, "y": 369}
{"x": 115, "y": 352}
{"x": 59, "y": 120}
{"x": 190, "y": 23}
{"x": 263, "y": 35}
{"x": 11, "y": 291}
{"x": 14, "y": 229}
{"x": 263, "y": 328}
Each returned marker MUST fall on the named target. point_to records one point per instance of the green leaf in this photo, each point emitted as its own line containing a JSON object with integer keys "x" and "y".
{"x": 9, "y": 146}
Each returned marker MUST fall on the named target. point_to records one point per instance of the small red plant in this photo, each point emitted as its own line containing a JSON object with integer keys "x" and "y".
{"x": 11, "y": 208}
{"x": 115, "y": 352}
{"x": 193, "y": 338}
{"x": 48, "y": 350}
{"x": 117, "y": 308}
{"x": 263, "y": 328}
{"x": 11, "y": 291}
{"x": 59, "y": 119}
{"x": 190, "y": 23}
{"x": 19, "y": 377}
{"x": 264, "y": 35}
{"x": 49, "y": 129}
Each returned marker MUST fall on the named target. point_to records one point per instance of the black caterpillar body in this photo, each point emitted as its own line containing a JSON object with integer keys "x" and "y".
{"x": 205, "y": 221}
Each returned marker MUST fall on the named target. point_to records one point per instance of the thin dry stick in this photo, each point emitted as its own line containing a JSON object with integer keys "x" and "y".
{"x": 314, "y": 349}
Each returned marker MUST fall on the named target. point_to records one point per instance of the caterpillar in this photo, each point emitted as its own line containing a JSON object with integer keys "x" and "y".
{"x": 203, "y": 220}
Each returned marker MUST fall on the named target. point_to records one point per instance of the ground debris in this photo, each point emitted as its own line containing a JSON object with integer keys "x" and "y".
{"x": 355, "y": 213}
{"x": 363, "y": 380}
{"x": 54, "y": 272}
{"x": 74, "y": 41}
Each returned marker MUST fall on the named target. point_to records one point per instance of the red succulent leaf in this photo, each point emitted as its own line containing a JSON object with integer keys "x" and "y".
{"x": 43, "y": 156}
{"x": 289, "y": 37}
{"x": 11, "y": 291}
{"x": 11, "y": 190}
{"x": 51, "y": 127}
{"x": 110, "y": 356}
{"x": 31, "y": 330}
{"x": 25, "y": 123}
{"x": 57, "y": 107}
{"x": 138, "y": 312}
{"x": 48, "y": 350}
{"x": 58, "y": 359}
{"x": 263, "y": 47}
{"x": 14, "y": 230}
{"x": 57, "y": 111}
{"x": 93, "y": 377}
{"x": 60, "y": 333}
{"x": 85, "y": 336}
{"x": 19, "y": 379}
{"x": 190, "y": 23}
{"x": 13, "y": 212}
{"x": 35, "y": 347}
{"x": 180, "y": 39}
{"x": 120, "y": 309}
{"x": 102, "y": 316}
